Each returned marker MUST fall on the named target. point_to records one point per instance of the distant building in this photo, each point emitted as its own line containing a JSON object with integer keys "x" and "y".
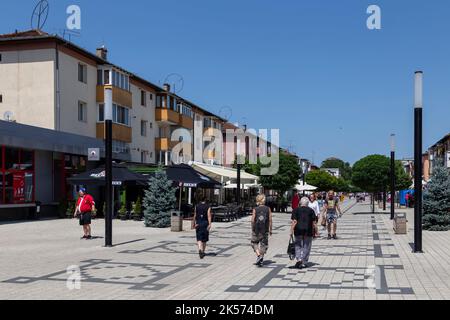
{"x": 439, "y": 153}
{"x": 336, "y": 172}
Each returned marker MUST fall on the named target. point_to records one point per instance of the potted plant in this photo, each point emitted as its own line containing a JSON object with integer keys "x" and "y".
{"x": 137, "y": 210}
{"x": 123, "y": 214}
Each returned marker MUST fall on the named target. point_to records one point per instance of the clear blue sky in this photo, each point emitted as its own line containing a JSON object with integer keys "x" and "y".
{"x": 310, "y": 68}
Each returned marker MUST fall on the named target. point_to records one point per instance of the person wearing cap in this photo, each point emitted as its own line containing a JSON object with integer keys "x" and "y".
{"x": 85, "y": 205}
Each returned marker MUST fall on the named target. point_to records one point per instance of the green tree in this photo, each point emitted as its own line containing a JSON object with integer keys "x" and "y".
{"x": 159, "y": 200}
{"x": 322, "y": 180}
{"x": 436, "y": 202}
{"x": 287, "y": 176}
{"x": 402, "y": 180}
{"x": 345, "y": 168}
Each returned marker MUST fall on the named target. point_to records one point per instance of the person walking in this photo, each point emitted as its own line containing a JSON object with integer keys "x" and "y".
{"x": 314, "y": 204}
{"x": 261, "y": 229}
{"x": 303, "y": 226}
{"x": 295, "y": 200}
{"x": 85, "y": 205}
{"x": 202, "y": 223}
{"x": 332, "y": 208}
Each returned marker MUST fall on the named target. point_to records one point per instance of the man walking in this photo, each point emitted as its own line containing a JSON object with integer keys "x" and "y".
{"x": 332, "y": 208}
{"x": 261, "y": 229}
{"x": 295, "y": 200}
{"x": 85, "y": 205}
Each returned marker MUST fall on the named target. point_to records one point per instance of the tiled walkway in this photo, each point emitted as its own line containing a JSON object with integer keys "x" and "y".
{"x": 368, "y": 261}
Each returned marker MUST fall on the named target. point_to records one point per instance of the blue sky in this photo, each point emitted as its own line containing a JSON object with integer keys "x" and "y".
{"x": 310, "y": 68}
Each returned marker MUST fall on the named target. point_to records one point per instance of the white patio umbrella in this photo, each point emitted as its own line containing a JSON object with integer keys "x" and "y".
{"x": 305, "y": 187}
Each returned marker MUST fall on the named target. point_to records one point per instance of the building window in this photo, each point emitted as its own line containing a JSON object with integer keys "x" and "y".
{"x": 151, "y": 96}
{"x": 120, "y": 147}
{"x": 82, "y": 73}
{"x": 16, "y": 176}
{"x": 101, "y": 112}
{"x": 99, "y": 77}
{"x": 143, "y": 98}
{"x": 1, "y": 98}
{"x": 144, "y": 128}
{"x": 151, "y": 125}
{"x": 143, "y": 156}
{"x": 82, "y": 111}
{"x": 121, "y": 115}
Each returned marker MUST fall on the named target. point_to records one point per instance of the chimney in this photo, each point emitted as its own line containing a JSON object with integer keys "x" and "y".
{"x": 102, "y": 53}
{"x": 166, "y": 87}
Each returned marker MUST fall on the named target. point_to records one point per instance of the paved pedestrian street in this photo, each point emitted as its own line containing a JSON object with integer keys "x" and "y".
{"x": 41, "y": 260}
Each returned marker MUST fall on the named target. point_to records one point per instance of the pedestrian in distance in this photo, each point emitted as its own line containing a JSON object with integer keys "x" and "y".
{"x": 202, "y": 223}
{"x": 295, "y": 200}
{"x": 261, "y": 229}
{"x": 303, "y": 228}
{"x": 332, "y": 209}
{"x": 83, "y": 209}
{"x": 314, "y": 204}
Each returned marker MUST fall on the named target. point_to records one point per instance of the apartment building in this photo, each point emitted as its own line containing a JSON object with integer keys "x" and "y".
{"x": 439, "y": 153}
{"x": 56, "y": 88}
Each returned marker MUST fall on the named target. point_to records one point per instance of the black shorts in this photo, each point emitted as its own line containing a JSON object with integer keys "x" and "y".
{"x": 202, "y": 234}
{"x": 85, "y": 219}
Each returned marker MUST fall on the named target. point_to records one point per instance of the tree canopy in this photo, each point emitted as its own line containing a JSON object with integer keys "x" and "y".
{"x": 345, "y": 168}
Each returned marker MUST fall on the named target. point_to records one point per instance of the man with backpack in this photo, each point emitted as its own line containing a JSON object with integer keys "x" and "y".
{"x": 261, "y": 229}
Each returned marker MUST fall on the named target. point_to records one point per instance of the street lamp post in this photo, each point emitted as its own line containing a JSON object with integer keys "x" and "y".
{"x": 392, "y": 176}
{"x": 108, "y": 115}
{"x": 238, "y": 166}
{"x": 418, "y": 106}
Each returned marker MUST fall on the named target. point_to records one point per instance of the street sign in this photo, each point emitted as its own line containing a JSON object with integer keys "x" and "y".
{"x": 94, "y": 154}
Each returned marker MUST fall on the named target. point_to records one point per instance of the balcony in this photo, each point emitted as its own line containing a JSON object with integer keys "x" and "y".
{"x": 186, "y": 122}
{"x": 120, "y": 96}
{"x": 162, "y": 144}
{"x": 167, "y": 116}
{"x": 119, "y": 132}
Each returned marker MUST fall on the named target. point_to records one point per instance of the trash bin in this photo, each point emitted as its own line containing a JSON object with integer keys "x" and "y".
{"x": 38, "y": 210}
{"x": 400, "y": 223}
{"x": 176, "y": 221}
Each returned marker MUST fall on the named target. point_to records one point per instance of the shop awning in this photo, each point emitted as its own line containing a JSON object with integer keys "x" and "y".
{"x": 189, "y": 177}
{"x": 121, "y": 176}
{"x": 221, "y": 173}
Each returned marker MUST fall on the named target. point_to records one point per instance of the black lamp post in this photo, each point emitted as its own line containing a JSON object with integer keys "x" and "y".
{"x": 108, "y": 166}
{"x": 418, "y": 105}
{"x": 238, "y": 180}
{"x": 392, "y": 176}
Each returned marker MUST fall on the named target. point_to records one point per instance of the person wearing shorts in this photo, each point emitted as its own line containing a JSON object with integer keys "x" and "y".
{"x": 332, "y": 208}
{"x": 261, "y": 229}
{"x": 85, "y": 205}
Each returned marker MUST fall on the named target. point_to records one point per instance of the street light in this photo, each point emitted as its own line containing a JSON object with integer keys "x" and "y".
{"x": 108, "y": 115}
{"x": 238, "y": 166}
{"x": 392, "y": 176}
{"x": 418, "y": 106}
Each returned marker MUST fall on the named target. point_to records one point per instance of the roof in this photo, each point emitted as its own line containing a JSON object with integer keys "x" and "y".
{"x": 443, "y": 140}
{"x": 218, "y": 172}
{"x": 39, "y": 35}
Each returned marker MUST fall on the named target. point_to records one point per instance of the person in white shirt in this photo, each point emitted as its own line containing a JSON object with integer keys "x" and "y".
{"x": 314, "y": 204}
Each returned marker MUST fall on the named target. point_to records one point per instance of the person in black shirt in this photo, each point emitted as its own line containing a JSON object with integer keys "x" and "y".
{"x": 304, "y": 221}
{"x": 202, "y": 224}
{"x": 261, "y": 229}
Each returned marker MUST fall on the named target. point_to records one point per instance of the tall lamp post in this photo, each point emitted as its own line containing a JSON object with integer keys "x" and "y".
{"x": 418, "y": 106}
{"x": 238, "y": 180}
{"x": 108, "y": 166}
{"x": 392, "y": 176}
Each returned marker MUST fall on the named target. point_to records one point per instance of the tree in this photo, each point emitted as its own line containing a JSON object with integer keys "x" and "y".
{"x": 345, "y": 168}
{"x": 322, "y": 180}
{"x": 372, "y": 173}
{"x": 436, "y": 202}
{"x": 402, "y": 180}
{"x": 159, "y": 200}
{"x": 287, "y": 176}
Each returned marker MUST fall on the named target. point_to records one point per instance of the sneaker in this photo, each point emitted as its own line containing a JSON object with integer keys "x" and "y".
{"x": 88, "y": 237}
{"x": 83, "y": 237}
{"x": 335, "y": 237}
{"x": 329, "y": 237}
{"x": 299, "y": 265}
{"x": 259, "y": 261}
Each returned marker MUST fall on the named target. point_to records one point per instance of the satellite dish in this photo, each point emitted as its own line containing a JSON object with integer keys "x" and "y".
{"x": 8, "y": 116}
{"x": 40, "y": 15}
{"x": 176, "y": 82}
{"x": 226, "y": 112}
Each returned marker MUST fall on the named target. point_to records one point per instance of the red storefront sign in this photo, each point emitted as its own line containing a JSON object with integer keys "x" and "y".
{"x": 19, "y": 187}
